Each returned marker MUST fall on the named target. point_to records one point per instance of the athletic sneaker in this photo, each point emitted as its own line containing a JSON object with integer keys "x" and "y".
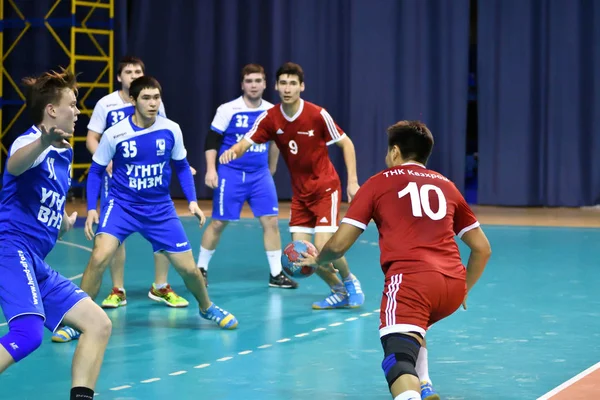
{"x": 337, "y": 299}
{"x": 223, "y": 318}
{"x": 116, "y": 298}
{"x": 427, "y": 392}
{"x": 282, "y": 281}
{"x": 168, "y": 296}
{"x": 65, "y": 334}
{"x": 356, "y": 297}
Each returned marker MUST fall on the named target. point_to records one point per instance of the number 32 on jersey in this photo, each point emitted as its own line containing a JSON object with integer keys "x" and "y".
{"x": 419, "y": 199}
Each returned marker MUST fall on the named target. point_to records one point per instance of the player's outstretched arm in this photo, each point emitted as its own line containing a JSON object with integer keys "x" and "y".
{"x": 480, "y": 254}
{"x": 24, "y": 157}
{"x": 350, "y": 160}
{"x": 235, "y": 151}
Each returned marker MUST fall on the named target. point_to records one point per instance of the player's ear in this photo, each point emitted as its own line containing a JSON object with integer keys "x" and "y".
{"x": 302, "y": 87}
{"x": 51, "y": 110}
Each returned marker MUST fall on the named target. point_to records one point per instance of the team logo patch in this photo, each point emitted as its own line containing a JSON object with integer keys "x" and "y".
{"x": 160, "y": 147}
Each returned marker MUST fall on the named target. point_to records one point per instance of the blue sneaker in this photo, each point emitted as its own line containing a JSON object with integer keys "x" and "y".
{"x": 356, "y": 297}
{"x": 337, "y": 299}
{"x": 223, "y": 318}
{"x": 65, "y": 334}
{"x": 427, "y": 392}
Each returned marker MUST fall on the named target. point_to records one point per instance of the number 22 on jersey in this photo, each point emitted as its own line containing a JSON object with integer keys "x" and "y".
{"x": 419, "y": 199}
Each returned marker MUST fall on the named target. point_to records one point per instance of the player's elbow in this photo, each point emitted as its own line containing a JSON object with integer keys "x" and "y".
{"x": 478, "y": 243}
{"x": 13, "y": 167}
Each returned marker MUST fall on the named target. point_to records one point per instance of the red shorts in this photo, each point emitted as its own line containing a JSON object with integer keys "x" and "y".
{"x": 318, "y": 215}
{"x": 415, "y": 301}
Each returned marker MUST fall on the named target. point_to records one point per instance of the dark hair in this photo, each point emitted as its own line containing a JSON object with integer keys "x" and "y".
{"x": 130, "y": 60}
{"x": 290, "y": 68}
{"x": 252, "y": 69}
{"x": 47, "y": 89}
{"x": 141, "y": 83}
{"x": 413, "y": 138}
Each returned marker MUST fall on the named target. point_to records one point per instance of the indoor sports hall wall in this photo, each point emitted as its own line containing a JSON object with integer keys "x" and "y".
{"x": 371, "y": 63}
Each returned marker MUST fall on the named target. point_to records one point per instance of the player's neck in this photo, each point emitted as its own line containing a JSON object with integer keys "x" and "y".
{"x": 142, "y": 122}
{"x": 291, "y": 109}
{"x": 124, "y": 95}
{"x": 252, "y": 103}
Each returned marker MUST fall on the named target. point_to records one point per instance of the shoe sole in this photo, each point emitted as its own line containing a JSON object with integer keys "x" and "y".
{"x": 121, "y": 304}
{"x": 161, "y": 300}
{"x": 432, "y": 397}
{"x": 283, "y": 286}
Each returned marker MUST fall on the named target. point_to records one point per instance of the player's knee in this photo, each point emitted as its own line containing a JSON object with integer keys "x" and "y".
{"x": 270, "y": 223}
{"x": 24, "y": 336}
{"x": 217, "y": 225}
{"x": 401, "y": 352}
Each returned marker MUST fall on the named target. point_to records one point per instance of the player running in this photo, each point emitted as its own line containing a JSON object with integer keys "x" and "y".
{"x": 418, "y": 212}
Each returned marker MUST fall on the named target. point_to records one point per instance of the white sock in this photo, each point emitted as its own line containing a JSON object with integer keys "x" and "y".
{"x": 422, "y": 366}
{"x": 204, "y": 258}
{"x": 274, "y": 257}
{"x": 408, "y": 395}
{"x": 161, "y": 286}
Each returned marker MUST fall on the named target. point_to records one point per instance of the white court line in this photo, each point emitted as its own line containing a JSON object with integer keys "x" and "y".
{"x": 72, "y": 278}
{"x": 571, "y": 381}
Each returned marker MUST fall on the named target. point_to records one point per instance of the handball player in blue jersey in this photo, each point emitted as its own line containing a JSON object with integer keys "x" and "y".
{"x": 141, "y": 148}
{"x": 249, "y": 178}
{"x": 32, "y": 215}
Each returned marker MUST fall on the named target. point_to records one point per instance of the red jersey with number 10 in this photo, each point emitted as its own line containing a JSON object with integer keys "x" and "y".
{"x": 417, "y": 212}
{"x": 302, "y": 141}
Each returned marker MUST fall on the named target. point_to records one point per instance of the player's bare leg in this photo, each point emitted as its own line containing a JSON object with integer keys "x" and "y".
{"x": 194, "y": 281}
{"x": 272, "y": 242}
{"x": 161, "y": 291}
{"x": 161, "y": 269}
{"x": 105, "y": 246}
{"x": 208, "y": 244}
{"x": 95, "y": 327}
{"x": 6, "y": 359}
{"x": 117, "y": 268}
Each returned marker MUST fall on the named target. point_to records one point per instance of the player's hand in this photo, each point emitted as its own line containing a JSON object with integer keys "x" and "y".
{"x": 311, "y": 261}
{"x": 109, "y": 168}
{"x": 92, "y": 218}
{"x": 197, "y": 212}
{"x": 55, "y": 137}
{"x": 67, "y": 223}
{"x": 351, "y": 191}
{"x": 464, "y": 303}
{"x": 211, "y": 179}
{"x": 192, "y": 170}
{"x": 227, "y": 156}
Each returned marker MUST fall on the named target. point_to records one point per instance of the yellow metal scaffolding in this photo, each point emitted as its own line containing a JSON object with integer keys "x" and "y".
{"x": 100, "y": 52}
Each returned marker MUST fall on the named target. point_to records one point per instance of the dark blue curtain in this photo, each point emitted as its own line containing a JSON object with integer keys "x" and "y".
{"x": 538, "y": 100}
{"x": 370, "y": 63}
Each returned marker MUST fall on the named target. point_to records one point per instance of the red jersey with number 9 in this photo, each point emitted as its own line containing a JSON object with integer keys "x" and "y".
{"x": 418, "y": 212}
{"x": 302, "y": 141}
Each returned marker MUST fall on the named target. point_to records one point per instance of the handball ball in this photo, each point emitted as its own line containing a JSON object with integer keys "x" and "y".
{"x": 292, "y": 253}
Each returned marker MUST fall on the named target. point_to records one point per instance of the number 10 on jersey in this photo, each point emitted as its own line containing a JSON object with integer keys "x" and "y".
{"x": 419, "y": 198}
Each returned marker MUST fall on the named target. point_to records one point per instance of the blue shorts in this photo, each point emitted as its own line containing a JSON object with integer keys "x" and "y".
{"x": 157, "y": 223}
{"x": 106, "y": 181}
{"x": 237, "y": 187}
{"x": 29, "y": 286}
